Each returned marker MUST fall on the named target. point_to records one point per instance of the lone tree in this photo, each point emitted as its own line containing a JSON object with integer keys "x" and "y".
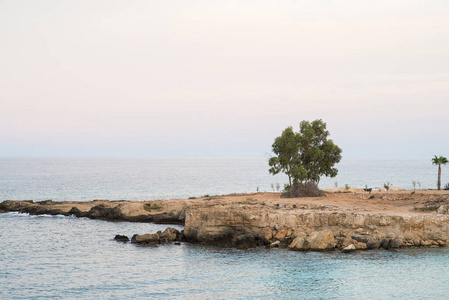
{"x": 439, "y": 161}
{"x": 305, "y": 156}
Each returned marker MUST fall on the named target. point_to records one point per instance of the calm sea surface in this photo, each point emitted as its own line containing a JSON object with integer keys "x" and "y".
{"x": 81, "y": 179}
{"x": 55, "y": 257}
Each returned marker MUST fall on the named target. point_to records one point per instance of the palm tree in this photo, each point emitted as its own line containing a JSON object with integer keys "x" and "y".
{"x": 439, "y": 161}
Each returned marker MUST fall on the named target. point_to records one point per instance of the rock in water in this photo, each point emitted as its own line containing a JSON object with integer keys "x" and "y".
{"x": 170, "y": 234}
{"x": 121, "y": 238}
{"x": 149, "y": 238}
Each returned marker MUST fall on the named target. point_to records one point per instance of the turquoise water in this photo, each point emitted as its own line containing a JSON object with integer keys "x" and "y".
{"x": 47, "y": 257}
{"x": 81, "y": 179}
{"x": 55, "y": 257}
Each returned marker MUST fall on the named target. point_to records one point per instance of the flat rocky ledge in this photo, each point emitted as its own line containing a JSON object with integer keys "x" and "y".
{"x": 354, "y": 220}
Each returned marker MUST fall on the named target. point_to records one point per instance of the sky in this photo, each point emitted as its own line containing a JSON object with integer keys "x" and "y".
{"x": 222, "y": 78}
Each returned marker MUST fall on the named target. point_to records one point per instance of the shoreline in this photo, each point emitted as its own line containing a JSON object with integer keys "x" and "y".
{"x": 353, "y": 220}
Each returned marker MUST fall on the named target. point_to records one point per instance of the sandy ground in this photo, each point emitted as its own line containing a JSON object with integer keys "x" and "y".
{"x": 397, "y": 203}
{"x": 391, "y": 203}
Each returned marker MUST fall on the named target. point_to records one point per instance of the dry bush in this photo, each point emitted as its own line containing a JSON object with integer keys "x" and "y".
{"x": 308, "y": 189}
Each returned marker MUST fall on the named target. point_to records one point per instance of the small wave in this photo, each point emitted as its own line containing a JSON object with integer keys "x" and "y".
{"x": 16, "y": 214}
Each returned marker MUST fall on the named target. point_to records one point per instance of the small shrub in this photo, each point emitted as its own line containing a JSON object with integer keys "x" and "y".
{"x": 426, "y": 208}
{"x": 278, "y": 187}
{"x": 272, "y": 187}
{"x": 149, "y": 207}
{"x": 308, "y": 189}
{"x": 192, "y": 197}
{"x": 387, "y": 186}
{"x": 446, "y": 187}
{"x": 347, "y": 187}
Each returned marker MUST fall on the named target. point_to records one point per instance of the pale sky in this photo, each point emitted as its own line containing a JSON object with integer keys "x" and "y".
{"x": 222, "y": 78}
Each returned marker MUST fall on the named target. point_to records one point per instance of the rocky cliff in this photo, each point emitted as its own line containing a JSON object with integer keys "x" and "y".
{"x": 347, "y": 221}
{"x": 312, "y": 227}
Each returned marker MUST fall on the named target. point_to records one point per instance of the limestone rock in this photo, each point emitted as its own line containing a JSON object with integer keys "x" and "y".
{"x": 281, "y": 234}
{"x": 149, "y": 238}
{"x": 298, "y": 244}
{"x": 442, "y": 209}
{"x": 322, "y": 240}
{"x": 349, "y": 248}
{"x": 360, "y": 246}
{"x": 275, "y": 244}
{"x": 170, "y": 234}
{"x": 104, "y": 212}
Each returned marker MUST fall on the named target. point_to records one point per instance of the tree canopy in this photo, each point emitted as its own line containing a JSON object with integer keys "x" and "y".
{"x": 306, "y": 155}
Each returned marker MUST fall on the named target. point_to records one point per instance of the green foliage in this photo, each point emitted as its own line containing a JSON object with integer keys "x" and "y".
{"x": 439, "y": 161}
{"x": 426, "y": 208}
{"x": 149, "y": 207}
{"x": 446, "y": 187}
{"x": 306, "y": 155}
{"x": 387, "y": 186}
{"x": 347, "y": 187}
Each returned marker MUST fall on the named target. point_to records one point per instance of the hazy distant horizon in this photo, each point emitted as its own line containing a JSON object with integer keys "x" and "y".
{"x": 221, "y": 79}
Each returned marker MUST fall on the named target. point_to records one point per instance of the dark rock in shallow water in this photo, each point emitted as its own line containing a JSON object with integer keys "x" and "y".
{"x": 395, "y": 243}
{"x": 149, "y": 238}
{"x": 384, "y": 243}
{"x": 244, "y": 241}
{"x": 121, "y": 238}
{"x": 38, "y": 210}
{"x": 374, "y": 244}
{"x": 76, "y": 212}
{"x": 108, "y": 213}
{"x": 170, "y": 234}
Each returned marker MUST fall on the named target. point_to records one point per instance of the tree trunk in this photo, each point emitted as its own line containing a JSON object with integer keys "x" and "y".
{"x": 439, "y": 177}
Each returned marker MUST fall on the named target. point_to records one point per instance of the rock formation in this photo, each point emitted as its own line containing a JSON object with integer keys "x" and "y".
{"x": 347, "y": 221}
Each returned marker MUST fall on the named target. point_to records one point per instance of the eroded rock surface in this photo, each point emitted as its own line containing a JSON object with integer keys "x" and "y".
{"x": 358, "y": 220}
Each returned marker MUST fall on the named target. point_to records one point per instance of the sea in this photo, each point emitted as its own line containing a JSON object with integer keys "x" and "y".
{"x": 57, "y": 257}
